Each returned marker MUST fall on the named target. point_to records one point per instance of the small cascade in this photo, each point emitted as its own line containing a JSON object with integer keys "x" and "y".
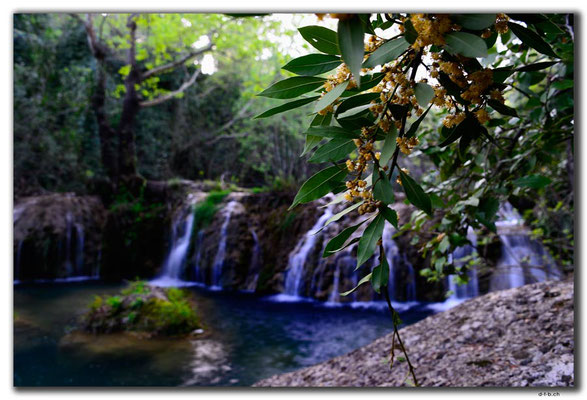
{"x": 79, "y": 248}
{"x": 218, "y": 265}
{"x": 460, "y": 257}
{"x": 334, "y": 295}
{"x": 400, "y": 269}
{"x": 297, "y": 258}
{"x": 254, "y": 265}
{"x": 175, "y": 262}
{"x": 68, "y": 263}
{"x": 199, "y": 275}
{"x": 522, "y": 260}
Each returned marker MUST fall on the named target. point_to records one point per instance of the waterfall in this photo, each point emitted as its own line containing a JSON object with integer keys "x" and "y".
{"x": 522, "y": 260}
{"x": 79, "y": 249}
{"x": 221, "y": 253}
{"x": 174, "y": 265}
{"x": 397, "y": 262}
{"x": 199, "y": 274}
{"x": 297, "y": 258}
{"x": 254, "y": 265}
{"x": 460, "y": 257}
{"x": 68, "y": 263}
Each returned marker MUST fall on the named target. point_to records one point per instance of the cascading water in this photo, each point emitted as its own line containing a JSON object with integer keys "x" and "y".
{"x": 175, "y": 262}
{"x": 397, "y": 262}
{"x": 254, "y": 265}
{"x": 297, "y": 258}
{"x": 522, "y": 260}
{"x": 221, "y": 253}
{"x": 460, "y": 257}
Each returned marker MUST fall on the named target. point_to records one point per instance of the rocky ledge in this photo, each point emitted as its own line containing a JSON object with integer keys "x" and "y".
{"x": 516, "y": 337}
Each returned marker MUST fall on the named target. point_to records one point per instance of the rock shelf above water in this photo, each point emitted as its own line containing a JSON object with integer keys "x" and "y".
{"x": 517, "y": 337}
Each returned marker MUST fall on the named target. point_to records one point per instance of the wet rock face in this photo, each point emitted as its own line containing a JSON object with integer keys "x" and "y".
{"x": 516, "y": 337}
{"x": 57, "y": 236}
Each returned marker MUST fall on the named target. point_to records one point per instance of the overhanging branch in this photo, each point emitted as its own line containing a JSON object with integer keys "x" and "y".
{"x": 170, "y": 95}
{"x": 176, "y": 63}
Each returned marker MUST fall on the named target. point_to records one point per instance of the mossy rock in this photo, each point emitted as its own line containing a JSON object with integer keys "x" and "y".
{"x": 143, "y": 308}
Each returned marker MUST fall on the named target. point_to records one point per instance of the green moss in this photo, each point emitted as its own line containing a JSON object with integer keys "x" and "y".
{"x": 141, "y": 308}
{"x": 204, "y": 211}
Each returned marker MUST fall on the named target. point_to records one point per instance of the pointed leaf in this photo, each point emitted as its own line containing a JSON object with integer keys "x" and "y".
{"x": 336, "y": 243}
{"x": 364, "y": 279}
{"x": 311, "y": 142}
{"x": 286, "y": 107}
{"x": 333, "y": 151}
{"x": 293, "y": 87}
{"x": 414, "y": 127}
{"x": 475, "y": 22}
{"x": 382, "y": 190}
{"x": 351, "y": 37}
{"x": 333, "y": 132}
{"x": 424, "y": 94}
{"x": 331, "y": 96}
{"x": 341, "y": 214}
{"x": 321, "y": 120}
{"x": 312, "y": 64}
{"x": 415, "y": 194}
{"x": 466, "y": 44}
{"x": 537, "y": 66}
{"x": 410, "y": 32}
{"x": 389, "y": 146}
{"x": 502, "y": 108}
{"x": 321, "y": 38}
{"x": 380, "y": 276}
{"x": 355, "y": 101}
{"x": 390, "y": 215}
{"x": 319, "y": 185}
{"x": 532, "y": 39}
{"x": 387, "y": 52}
{"x": 369, "y": 240}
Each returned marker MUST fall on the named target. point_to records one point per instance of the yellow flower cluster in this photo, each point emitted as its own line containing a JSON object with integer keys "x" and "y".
{"x": 453, "y": 70}
{"x": 482, "y": 115}
{"x": 496, "y": 95}
{"x": 501, "y": 23}
{"x": 373, "y": 43}
{"x": 480, "y": 80}
{"x": 431, "y": 29}
{"x": 406, "y": 145}
{"x": 451, "y": 120}
{"x": 342, "y": 74}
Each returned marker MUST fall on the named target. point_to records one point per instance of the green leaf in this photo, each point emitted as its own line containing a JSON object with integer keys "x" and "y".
{"x": 319, "y": 185}
{"x": 502, "y": 108}
{"x": 533, "y": 181}
{"x": 369, "y": 240}
{"x": 390, "y": 215}
{"x": 410, "y": 32}
{"x": 531, "y": 39}
{"x": 415, "y": 194}
{"x": 466, "y": 44}
{"x": 312, "y": 64}
{"x": 468, "y": 124}
{"x": 380, "y": 276}
{"x": 382, "y": 190}
{"x": 311, "y": 142}
{"x": 321, "y": 120}
{"x": 414, "y": 127}
{"x": 351, "y": 40}
{"x": 331, "y": 96}
{"x": 537, "y": 66}
{"x": 292, "y": 87}
{"x": 389, "y": 146}
{"x": 341, "y": 214}
{"x": 332, "y": 131}
{"x": 333, "y": 151}
{"x": 424, "y": 94}
{"x": 321, "y": 38}
{"x": 475, "y": 22}
{"x": 336, "y": 243}
{"x": 501, "y": 74}
{"x": 387, "y": 52}
{"x": 286, "y": 107}
{"x": 355, "y": 101}
{"x": 364, "y": 279}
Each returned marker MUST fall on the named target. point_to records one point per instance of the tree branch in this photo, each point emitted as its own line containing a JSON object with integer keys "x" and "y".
{"x": 176, "y": 63}
{"x": 170, "y": 95}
